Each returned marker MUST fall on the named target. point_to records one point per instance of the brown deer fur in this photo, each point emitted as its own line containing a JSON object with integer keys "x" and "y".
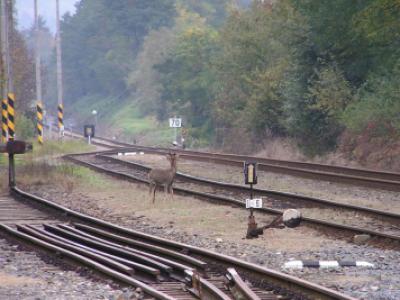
{"x": 163, "y": 177}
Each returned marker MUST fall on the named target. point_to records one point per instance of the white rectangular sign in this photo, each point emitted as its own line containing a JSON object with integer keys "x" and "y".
{"x": 175, "y": 122}
{"x": 254, "y": 203}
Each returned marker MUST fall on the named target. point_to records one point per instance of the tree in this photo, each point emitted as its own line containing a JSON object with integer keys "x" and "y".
{"x": 145, "y": 80}
{"x": 102, "y": 39}
{"x": 187, "y": 77}
{"x": 377, "y": 102}
{"x": 260, "y": 51}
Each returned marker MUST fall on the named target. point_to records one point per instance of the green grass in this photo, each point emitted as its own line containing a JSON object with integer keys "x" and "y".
{"x": 47, "y": 151}
{"x": 133, "y": 125}
{"x": 130, "y": 121}
{"x": 123, "y": 120}
{"x": 57, "y": 147}
{"x": 84, "y": 175}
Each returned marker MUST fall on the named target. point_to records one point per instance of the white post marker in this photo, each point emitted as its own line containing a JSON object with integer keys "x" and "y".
{"x": 254, "y": 203}
{"x": 62, "y": 129}
{"x": 175, "y": 123}
{"x": 325, "y": 264}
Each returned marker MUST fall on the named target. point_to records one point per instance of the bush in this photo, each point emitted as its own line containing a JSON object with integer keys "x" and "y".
{"x": 24, "y": 127}
{"x": 378, "y": 102}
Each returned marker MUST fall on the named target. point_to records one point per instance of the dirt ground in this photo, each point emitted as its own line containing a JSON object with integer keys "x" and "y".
{"x": 194, "y": 217}
{"x": 7, "y": 280}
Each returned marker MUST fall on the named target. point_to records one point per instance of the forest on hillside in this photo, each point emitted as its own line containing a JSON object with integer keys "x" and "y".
{"x": 325, "y": 74}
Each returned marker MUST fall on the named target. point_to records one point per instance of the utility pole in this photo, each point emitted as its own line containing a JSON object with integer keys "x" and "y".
{"x": 10, "y": 89}
{"x": 37, "y": 56}
{"x": 8, "y": 34}
{"x": 4, "y": 72}
{"x": 39, "y": 104}
{"x": 3, "y": 27}
{"x": 7, "y": 9}
{"x": 59, "y": 73}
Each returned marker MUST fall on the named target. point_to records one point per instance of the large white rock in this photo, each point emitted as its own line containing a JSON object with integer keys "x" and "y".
{"x": 291, "y": 218}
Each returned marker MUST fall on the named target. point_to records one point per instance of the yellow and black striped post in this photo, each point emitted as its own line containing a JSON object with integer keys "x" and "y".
{"x": 11, "y": 116}
{"x": 4, "y": 120}
{"x": 61, "y": 117}
{"x": 39, "y": 113}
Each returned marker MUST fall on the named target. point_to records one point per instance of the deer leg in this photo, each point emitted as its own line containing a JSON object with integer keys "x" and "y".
{"x": 165, "y": 191}
{"x": 151, "y": 187}
{"x": 154, "y": 193}
{"x": 171, "y": 191}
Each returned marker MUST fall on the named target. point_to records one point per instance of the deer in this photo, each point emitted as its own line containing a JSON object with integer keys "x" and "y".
{"x": 163, "y": 177}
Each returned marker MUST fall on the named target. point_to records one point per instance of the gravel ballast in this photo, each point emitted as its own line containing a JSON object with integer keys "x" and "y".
{"x": 26, "y": 275}
{"x": 380, "y": 282}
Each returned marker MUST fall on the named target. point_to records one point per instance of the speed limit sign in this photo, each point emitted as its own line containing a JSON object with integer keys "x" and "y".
{"x": 175, "y": 122}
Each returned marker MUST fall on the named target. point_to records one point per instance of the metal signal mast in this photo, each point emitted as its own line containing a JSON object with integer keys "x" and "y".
{"x": 8, "y": 97}
{"x": 59, "y": 73}
{"x": 4, "y": 72}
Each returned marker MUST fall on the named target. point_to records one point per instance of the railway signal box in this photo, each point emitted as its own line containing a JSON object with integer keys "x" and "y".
{"x": 89, "y": 131}
{"x": 250, "y": 173}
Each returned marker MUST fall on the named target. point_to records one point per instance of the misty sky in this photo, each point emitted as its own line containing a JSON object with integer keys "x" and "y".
{"x": 47, "y": 9}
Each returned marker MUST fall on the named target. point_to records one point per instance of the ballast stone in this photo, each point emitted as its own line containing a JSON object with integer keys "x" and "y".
{"x": 360, "y": 239}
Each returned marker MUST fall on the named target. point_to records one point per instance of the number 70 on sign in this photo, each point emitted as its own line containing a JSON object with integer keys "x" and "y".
{"x": 175, "y": 122}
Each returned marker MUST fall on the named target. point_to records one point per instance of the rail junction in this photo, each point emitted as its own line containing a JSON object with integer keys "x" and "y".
{"x": 162, "y": 269}
{"x": 382, "y": 226}
{"x": 157, "y": 267}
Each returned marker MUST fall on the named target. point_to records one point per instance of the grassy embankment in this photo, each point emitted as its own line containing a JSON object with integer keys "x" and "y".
{"x": 44, "y": 166}
{"x": 124, "y": 121}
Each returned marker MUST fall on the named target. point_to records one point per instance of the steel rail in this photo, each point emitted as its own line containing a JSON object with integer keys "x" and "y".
{"x": 84, "y": 260}
{"x": 392, "y": 185}
{"x": 155, "y": 273}
{"x": 305, "y": 220}
{"x": 170, "y": 263}
{"x": 203, "y": 289}
{"x": 269, "y": 193}
{"x": 97, "y": 257}
{"x": 238, "y": 287}
{"x": 359, "y": 176}
{"x": 112, "y": 248}
{"x": 368, "y": 178}
{"x": 176, "y": 255}
{"x": 275, "y": 278}
{"x": 361, "y": 172}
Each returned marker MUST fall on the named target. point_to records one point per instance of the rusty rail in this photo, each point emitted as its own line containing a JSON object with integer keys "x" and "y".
{"x": 358, "y": 176}
{"x": 204, "y": 289}
{"x": 364, "y": 177}
{"x": 268, "y": 193}
{"x": 307, "y": 221}
{"x": 84, "y": 260}
{"x": 239, "y": 288}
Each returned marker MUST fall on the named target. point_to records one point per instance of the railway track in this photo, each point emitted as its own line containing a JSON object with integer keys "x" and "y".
{"x": 161, "y": 268}
{"x": 354, "y": 176}
{"x": 382, "y": 226}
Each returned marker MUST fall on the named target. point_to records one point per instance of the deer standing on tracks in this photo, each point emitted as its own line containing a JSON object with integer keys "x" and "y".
{"x": 163, "y": 177}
